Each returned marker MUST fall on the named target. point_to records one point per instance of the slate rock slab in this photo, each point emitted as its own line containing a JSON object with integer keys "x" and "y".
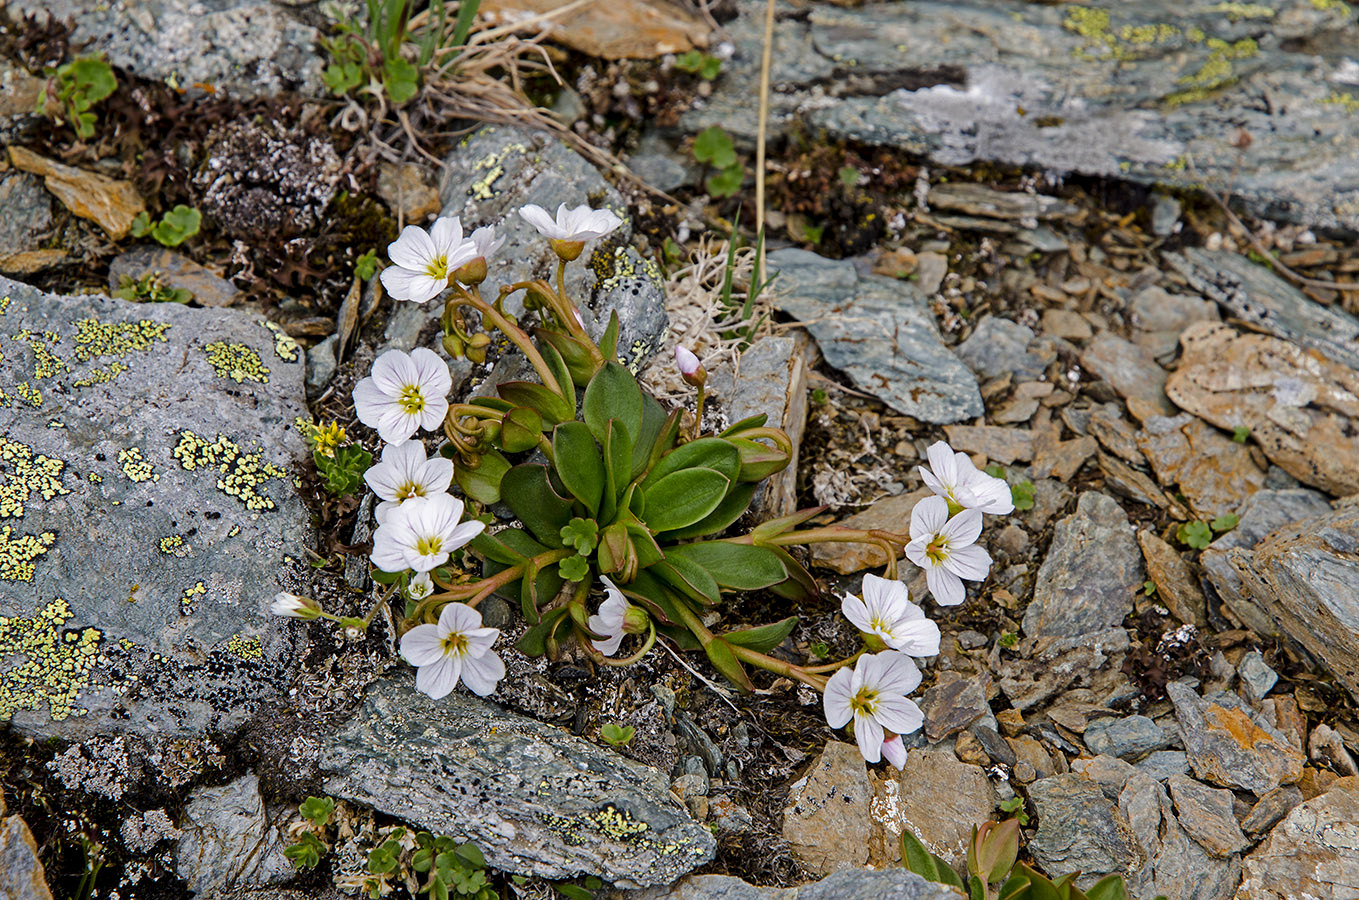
{"x": 1207, "y": 815}
{"x": 247, "y": 47}
{"x": 1215, "y": 473}
{"x": 21, "y": 872}
{"x": 1127, "y": 738}
{"x": 147, "y": 514}
{"x": 228, "y": 841}
{"x": 1153, "y": 92}
{"x": 879, "y": 332}
{"x": 846, "y": 884}
{"x": 1305, "y": 580}
{"x": 1313, "y": 852}
{"x": 1176, "y": 866}
{"x": 535, "y": 799}
{"x": 1079, "y": 828}
{"x": 941, "y": 817}
{"x": 1231, "y": 745}
{"x": 1087, "y": 581}
{"x": 826, "y": 821}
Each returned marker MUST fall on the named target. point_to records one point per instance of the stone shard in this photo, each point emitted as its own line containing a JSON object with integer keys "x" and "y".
{"x": 535, "y": 799}
{"x": 229, "y": 842}
{"x": 1131, "y": 371}
{"x": 21, "y": 872}
{"x": 1304, "y": 580}
{"x": 1059, "y": 663}
{"x": 999, "y": 346}
{"x": 890, "y": 513}
{"x": 1213, "y": 472}
{"x": 147, "y": 514}
{"x": 846, "y": 884}
{"x": 174, "y": 270}
{"x": 1127, "y": 738}
{"x": 645, "y": 29}
{"x": 960, "y": 796}
{"x": 1087, "y": 581}
{"x": 1298, "y": 406}
{"x": 1207, "y": 815}
{"x": 1252, "y": 293}
{"x": 1231, "y": 745}
{"x": 1313, "y": 852}
{"x": 879, "y": 332}
{"x": 1080, "y": 829}
{"x": 1176, "y": 866}
{"x": 245, "y": 47}
{"x": 109, "y": 203}
{"x": 827, "y": 821}
{"x": 1176, "y": 585}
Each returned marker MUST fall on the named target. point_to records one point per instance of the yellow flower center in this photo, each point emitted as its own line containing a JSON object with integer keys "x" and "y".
{"x": 411, "y": 400}
{"x": 428, "y": 546}
{"x": 455, "y": 644}
{"x": 865, "y": 701}
{"x": 937, "y": 550}
{"x": 438, "y": 268}
{"x": 410, "y": 489}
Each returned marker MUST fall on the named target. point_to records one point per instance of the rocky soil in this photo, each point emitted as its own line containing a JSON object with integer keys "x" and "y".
{"x": 994, "y": 223}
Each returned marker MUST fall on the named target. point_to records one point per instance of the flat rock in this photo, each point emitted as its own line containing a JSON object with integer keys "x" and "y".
{"x": 951, "y": 706}
{"x": 638, "y": 30}
{"x": 229, "y": 842}
{"x": 1257, "y": 678}
{"x": 1207, "y": 815}
{"x": 879, "y": 332}
{"x": 1299, "y": 406}
{"x": 406, "y": 190}
{"x": 1214, "y": 473}
{"x": 960, "y": 796}
{"x": 21, "y": 872}
{"x": 1176, "y": 585}
{"x": 147, "y": 514}
{"x": 1304, "y": 579}
{"x": 827, "y": 822}
{"x": 846, "y": 884}
{"x": 535, "y": 799}
{"x": 1080, "y": 829}
{"x": 1131, "y": 371}
{"x": 1252, "y": 293}
{"x": 890, "y": 513}
{"x": 1133, "y": 484}
{"x": 1176, "y": 866}
{"x": 999, "y": 346}
{"x": 1231, "y": 745}
{"x": 1270, "y": 808}
{"x": 1092, "y": 568}
{"x": 109, "y": 203}
{"x": 176, "y": 271}
{"x": 1164, "y": 763}
{"x": 1101, "y": 89}
{"x": 1313, "y": 852}
{"x": 246, "y": 47}
{"x": 1003, "y": 445}
{"x": 1056, "y": 664}
{"x": 980, "y": 200}
{"x": 28, "y": 218}
{"x": 1127, "y": 738}
{"x": 1159, "y": 317}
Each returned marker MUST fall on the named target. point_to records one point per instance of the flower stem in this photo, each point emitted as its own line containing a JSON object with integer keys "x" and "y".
{"x": 777, "y": 666}
{"x": 650, "y": 641}
{"x": 514, "y": 333}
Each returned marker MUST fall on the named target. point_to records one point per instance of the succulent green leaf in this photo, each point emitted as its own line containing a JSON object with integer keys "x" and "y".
{"x": 689, "y": 578}
{"x": 551, "y": 406}
{"x": 583, "y": 534}
{"x": 764, "y": 638}
{"x": 520, "y": 429}
{"x": 709, "y": 453}
{"x": 713, "y": 146}
{"x": 684, "y": 497}
{"x": 574, "y": 568}
{"x": 736, "y": 567}
{"x": 534, "y": 640}
{"x": 482, "y": 483}
{"x": 613, "y": 394}
{"x": 529, "y": 494}
{"x": 578, "y": 463}
{"x": 732, "y": 507}
{"x": 725, "y": 661}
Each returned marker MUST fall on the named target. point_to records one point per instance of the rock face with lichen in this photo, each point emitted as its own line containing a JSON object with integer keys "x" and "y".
{"x": 535, "y": 799}
{"x": 147, "y": 513}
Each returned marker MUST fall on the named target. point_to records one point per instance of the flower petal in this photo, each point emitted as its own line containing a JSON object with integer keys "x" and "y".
{"x": 868, "y": 735}
{"x": 894, "y": 751}
{"x": 988, "y": 494}
{"x": 412, "y": 249}
{"x": 370, "y": 402}
{"x": 482, "y": 673}
{"x": 539, "y": 218}
{"x": 963, "y": 529}
{"x": 896, "y": 713}
{"x": 458, "y": 618}
{"x": 945, "y": 587}
{"x": 422, "y": 645}
{"x": 928, "y": 516}
{"x": 835, "y": 700}
{"x": 856, "y": 611}
{"x": 943, "y": 463}
{"x": 918, "y": 638}
{"x": 971, "y": 563}
{"x": 438, "y": 679}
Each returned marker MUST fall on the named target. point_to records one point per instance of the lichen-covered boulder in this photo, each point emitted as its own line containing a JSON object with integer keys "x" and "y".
{"x": 148, "y": 514}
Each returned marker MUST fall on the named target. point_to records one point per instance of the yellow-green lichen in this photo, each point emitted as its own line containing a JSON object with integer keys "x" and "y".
{"x": 96, "y": 478}
{"x": 1216, "y": 72}
{"x": 494, "y": 167}
{"x": 23, "y": 474}
{"x": 4, "y": 304}
{"x": 56, "y": 663}
{"x": 30, "y": 395}
{"x": 95, "y": 339}
{"x": 1235, "y": 12}
{"x": 285, "y": 347}
{"x": 241, "y": 474}
{"x": 235, "y": 530}
{"x": 237, "y": 362}
{"x": 1126, "y": 43}
{"x": 247, "y": 648}
{"x": 135, "y": 467}
{"x": 1323, "y": 5}
{"x": 186, "y": 600}
{"x": 17, "y": 552}
{"x": 99, "y": 375}
{"x": 1348, "y": 102}
{"x": 173, "y": 545}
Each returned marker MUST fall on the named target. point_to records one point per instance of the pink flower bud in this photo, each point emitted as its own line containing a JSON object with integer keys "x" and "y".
{"x": 687, "y": 362}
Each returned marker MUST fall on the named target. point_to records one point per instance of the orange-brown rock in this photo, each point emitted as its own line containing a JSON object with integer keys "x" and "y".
{"x": 109, "y": 203}
{"x": 637, "y": 29}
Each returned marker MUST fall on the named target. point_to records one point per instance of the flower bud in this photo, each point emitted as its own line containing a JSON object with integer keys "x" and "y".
{"x": 295, "y": 607}
{"x": 476, "y": 347}
{"x": 567, "y": 250}
{"x": 635, "y": 620}
{"x": 472, "y": 272}
{"x": 993, "y": 850}
{"x": 691, "y": 370}
{"x": 453, "y": 346}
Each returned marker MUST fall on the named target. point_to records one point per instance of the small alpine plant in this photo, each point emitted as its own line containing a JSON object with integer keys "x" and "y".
{"x": 625, "y": 520}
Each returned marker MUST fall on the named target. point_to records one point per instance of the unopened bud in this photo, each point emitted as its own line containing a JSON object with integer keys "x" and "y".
{"x": 635, "y": 620}
{"x": 691, "y": 370}
{"x": 476, "y": 347}
{"x": 453, "y": 346}
{"x": 473, "y": 272}
{"x": 567, "y": 250}
{"x": 295, "y": 607}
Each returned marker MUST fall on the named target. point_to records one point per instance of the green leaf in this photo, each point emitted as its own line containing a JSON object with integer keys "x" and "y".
{"x": 177, "y": 226}
{"x": 746, "y": 424}
{"x": 1195, "y": 534}
{"x": 732, "y": 507}
{"x": 583, "y": 534}
{"x": 849, "y": 176}
{"x": 608, "y": 342}
{"x": 657, "y": 597}
{"x": 471, "y": 854}
{"x": 141, "y": 224}
{"x": 1022, "y": 495}
{"x": 800, "y": 586}
{"x": 684, "y": 497}
{"x": 401, "y": 78}
{"x": 306, "y": 853}
{"x": 916, "y": 858}
{"x": 562, "y": 372}
{"x": 975, "y": 889}
{"x": 728, "y": 181}
{"x": 617, "y": 468}
{"x": 689, "y": 578}
{"x": 574, "y": 568}
{"x": 1241, "y": 434}
{"x": 764, "y": 638}
{"x": 1110, "y": 887}
{"x": 365, "y": 267}
{"x": 529, "y": 494}
{"x": 578, "y": 463}
{"x": 534, "y": 640}
{"x": 613, "y": 394}
{"x": 658, "y": 434}
{"x": 317, "y": 810}
{"x": 507, "y": 547}
{"x": 725, "y": 661}
{"x": 573, "y": 891}
{"x": 615, "y": 734}
{"x": 1225, "y": 522}
{"x": 482, "y": 483}
{"x": 550, "y": 405}
{"x": 736, "y": 567}
{"x": 708, "y": 453}
{"x": 713, "y": 146}
{"x": 520, "y": 429}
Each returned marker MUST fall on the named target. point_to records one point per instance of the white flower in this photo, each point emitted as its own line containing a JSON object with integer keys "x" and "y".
{"x": 946, "y": 549}
{"x": 420, "y": 587}
{"x": 405, "y": 473}
{"x": 894, "y": 751}
{"x": 422, "y": 261}
{"x": 886, "y": 610}
{"x": 458, "y": 648}
{"x": 874, "y": 696}
{"x": 485, "y": 242}
{"x": 293, "y": 606}
{"x": 404, "y": 393}
{"x": 686, "y": 361}
{"x": 421, "y": 533}
{"x": 954, "y": 477}
{"x": 612, "y": 613}
{"x": 571, "y": 225}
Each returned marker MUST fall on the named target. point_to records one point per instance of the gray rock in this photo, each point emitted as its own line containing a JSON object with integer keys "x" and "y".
{"x": 535, "y": 799}
{"x": 1158, "y": 317}
{"x": 1270, "y": 808}
{"x": 1164, "y": 763}
{"x": 321, "y": 364}
{"x": 21, "y": 872}
{"x": 1214, "y": 473}
{"x": 952, "y": 706}
{"x": 1311, "y": 853}
{"x": 827, "y": 820}
{"x": 662, "y": 167}
{"x": 1264, "y": 512}
{"x": 942, "y": 818}
{"x": 498, "y": 169}
{"x": 1256, "y": 676}
{"x": 846, "y": 884}
{"x": 1109, "y": 773}
{"x": 1127, "y": 738}
{"x": 1165, "y": 215}
{"x": 246, "y": 47}
{"x": 28, "y": 212}
{"x": 878, "y": 331}
{"x": 1093, "y": 566}
{"x": 1176, "y": 866}
{"x": 147, "y": 515}
{"x": 1252, "y": 293}
{"x": 1030, "y": 85}
{"x": 229, "y": 842}
{"x": 1087, "y": 659}
{"x": 176, "y": 271}
{"x": 999, "y": 346}
{"x": 1230, "y": 745}
{"x": 1131, "y": 371}
{"x": 1304, "y": 579}
{"x": 1206, "y": 814}
{"x": 1080, "y": 829}
{"x": 1326, "y": 747}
